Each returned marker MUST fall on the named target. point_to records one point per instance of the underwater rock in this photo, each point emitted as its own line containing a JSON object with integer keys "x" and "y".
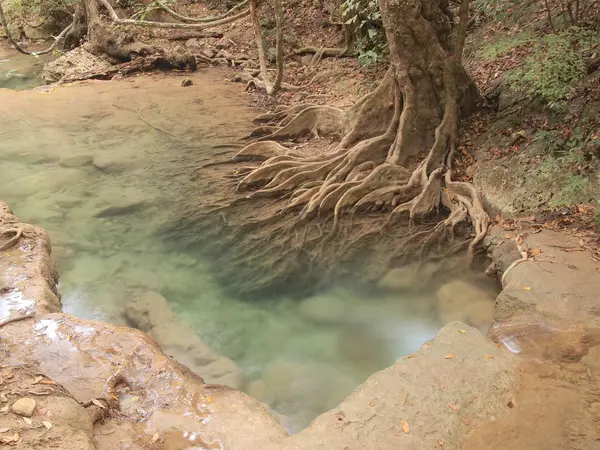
{"x": 75, "y": 160}
{"x": 461, "y": 301}
{"x": 328, "y": 308}
{"x": 152, "y": 313}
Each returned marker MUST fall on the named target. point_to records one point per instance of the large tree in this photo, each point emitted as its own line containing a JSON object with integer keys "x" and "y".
{"x": 397, "y": 143}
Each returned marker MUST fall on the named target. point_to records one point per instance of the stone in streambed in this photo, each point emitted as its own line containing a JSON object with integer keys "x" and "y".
{"x": 24, "y": 407}
{"x": 125, "y": 204}
{"x": 76, "y": 161}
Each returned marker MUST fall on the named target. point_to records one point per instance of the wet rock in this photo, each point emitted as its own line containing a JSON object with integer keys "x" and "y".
{"x": 120, "y": 206}
{"x": 76, "y": 160}
{"x": 400, "y": 279}
{"x": 24, "y": 407}
{"x": 461, "y": 301}
{"x": 151, "y": 313}
{"x": 110, "y": 163}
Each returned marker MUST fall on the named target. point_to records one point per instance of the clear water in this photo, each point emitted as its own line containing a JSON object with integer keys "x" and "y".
{"x": 300, "y": 357}
{"x": 18, "y": 71}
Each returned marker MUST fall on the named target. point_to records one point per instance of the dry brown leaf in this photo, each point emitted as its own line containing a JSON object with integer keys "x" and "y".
{"x": 450, "y": 356}
{"x": 405, "y": 426}
{"x": 47, "y": 424}
{"x": 405, "y": 398}
{"x": 371, "y": 403}
{"x": 155, "y": 437}
{"x": 535, "y": 252}
{"x": 98, "y": 403}
{"x": 46, "y": 381}
{"x": 209, "y": 400}
{"x": 27, "y": 420}
{"x": 488, "y": 356}
{"x": 527, "y": 288}
{"x": 452, "y": 407}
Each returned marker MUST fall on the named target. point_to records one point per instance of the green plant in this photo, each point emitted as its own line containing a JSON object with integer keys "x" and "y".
{"x": 364, "y": 19}
{"x": 574, "y": 187}
{"x": 597, "y": 216}
{"x": 502, "y": 45}
{"x": 556, "y": 63}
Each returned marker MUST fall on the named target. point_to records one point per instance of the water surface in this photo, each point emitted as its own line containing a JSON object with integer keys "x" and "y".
{"x": 102, "y": 166}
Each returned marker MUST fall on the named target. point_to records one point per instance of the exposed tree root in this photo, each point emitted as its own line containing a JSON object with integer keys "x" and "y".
{"x": 16, "y": 233}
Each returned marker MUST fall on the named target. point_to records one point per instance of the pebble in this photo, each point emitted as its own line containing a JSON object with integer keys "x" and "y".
{"x": 24, "y": 407}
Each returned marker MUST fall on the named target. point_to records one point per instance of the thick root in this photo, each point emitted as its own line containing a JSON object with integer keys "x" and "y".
{"x": 259, "y": 151}
{"x": 314, "y": 120}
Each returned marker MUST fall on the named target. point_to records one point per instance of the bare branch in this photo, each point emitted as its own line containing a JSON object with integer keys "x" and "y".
{"x": 146, "y": 23}
{"x": 200, "y": 19}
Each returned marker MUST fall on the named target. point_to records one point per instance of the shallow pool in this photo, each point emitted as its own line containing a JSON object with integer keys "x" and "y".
{"x": 102, "y": 167}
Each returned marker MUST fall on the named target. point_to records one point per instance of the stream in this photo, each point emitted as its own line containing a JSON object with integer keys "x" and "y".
{"x": 100, "y": 166}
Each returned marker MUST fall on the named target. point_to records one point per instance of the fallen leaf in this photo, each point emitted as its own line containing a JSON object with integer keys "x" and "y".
{"x": 442, "y": 387}
{"x": 450, "y": 356}
{"x": 452, "y": 407}
{"x": 488, "y": 356}
{"x": 98, "y": 403}
{"x": 527, "y": 288}
{"x": 209, "y": 400}
{"x": 48, "y": 425}
{"x": 406, "y": 398}
{"x": 500, "y": 346}
{"x": 114, "y": 397}
{"x": 535, "y": 252}
{"x": 405, "y": 426}
{"x": 38, "y": 379}
{"x": 371, "y": 404}
{"x": 46, "y": 381}
{"x": 4, "y": 430}
{"x": 462, "y": 331}
{"x": 27, "y": 420}
{"x": 155, "y": 437}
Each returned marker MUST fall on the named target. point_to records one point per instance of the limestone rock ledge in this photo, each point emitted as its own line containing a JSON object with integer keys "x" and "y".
{"x": 137, "y": 397}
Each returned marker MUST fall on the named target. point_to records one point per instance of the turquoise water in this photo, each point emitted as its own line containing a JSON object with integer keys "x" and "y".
{"x": 81, "y": 163}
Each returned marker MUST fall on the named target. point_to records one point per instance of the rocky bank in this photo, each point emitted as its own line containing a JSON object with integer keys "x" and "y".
{"x": 71, "y": 383}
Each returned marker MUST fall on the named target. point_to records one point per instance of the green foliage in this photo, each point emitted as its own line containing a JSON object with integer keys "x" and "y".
{"x": 364, "y": 18}
{"x": 556, "y": 63}
{"x": 597, "y": 216}
{"x": 502, "y": 45}
{"x": 568, "y": 163}
{"x": 574, "y": 188}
